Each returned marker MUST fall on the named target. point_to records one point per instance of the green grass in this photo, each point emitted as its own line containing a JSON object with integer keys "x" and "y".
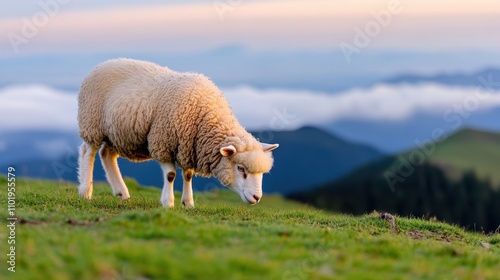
{"x": 65, "y": 237}
{"x": 471, "y": 150}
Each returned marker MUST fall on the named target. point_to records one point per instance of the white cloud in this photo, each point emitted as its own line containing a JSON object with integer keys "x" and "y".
{"x": 260, "y": 109}
{"x": 37, "y": 107}
{"x": 40, "y": 107}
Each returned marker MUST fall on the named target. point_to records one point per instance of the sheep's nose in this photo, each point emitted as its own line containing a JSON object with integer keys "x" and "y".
{"x": 257, "y": 198}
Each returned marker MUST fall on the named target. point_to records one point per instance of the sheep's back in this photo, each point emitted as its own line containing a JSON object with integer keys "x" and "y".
{"x": 117, "y": 102}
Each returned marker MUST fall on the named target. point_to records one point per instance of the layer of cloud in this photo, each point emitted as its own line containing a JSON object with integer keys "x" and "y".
{"x": 37, "y": 107}
{"x": 277, "y": 109}
{"x": 40, "y": 107}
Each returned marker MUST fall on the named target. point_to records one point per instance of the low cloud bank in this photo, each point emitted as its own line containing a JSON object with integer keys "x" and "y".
{"x": 37, "y": 107}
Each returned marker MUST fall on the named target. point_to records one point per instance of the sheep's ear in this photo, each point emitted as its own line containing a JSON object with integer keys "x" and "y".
{"x": 269, "y": 147}
{"x": 228, "y": 151}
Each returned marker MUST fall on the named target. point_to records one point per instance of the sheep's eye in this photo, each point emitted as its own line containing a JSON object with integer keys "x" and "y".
{"x": 241, "y": 169}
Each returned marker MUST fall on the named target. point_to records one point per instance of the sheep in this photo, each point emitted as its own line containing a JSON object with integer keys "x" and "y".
{"x": 142, "y": 111}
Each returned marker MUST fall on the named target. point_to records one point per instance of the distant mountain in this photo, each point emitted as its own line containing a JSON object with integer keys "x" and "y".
{"x": 310, "y": 156}
{"x": 306, "y": 157}
{"x": 456, "y": 180}
{"x": 264, "y": 69}
{"x": 470, "y": 150}
{"x": 458, "y": 79}
{"x": 24, "y": 146}
{"x": 466, "y": 150}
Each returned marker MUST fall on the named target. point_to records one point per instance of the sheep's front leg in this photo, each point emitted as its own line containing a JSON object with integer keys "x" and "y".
{"x": 187, "y": 189}
{"x": 86, "y": 160}
{"x": 167, "y": 194}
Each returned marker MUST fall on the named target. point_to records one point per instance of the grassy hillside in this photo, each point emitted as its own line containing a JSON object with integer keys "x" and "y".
{"x": 473, "y": 150}
{"x": 465, "y": 151}
{"x": 60, "y": 236}
{"x": 455, "y": 180}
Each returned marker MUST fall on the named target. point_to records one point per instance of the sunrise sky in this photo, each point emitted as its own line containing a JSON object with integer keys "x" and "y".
{"x": 83, "y": 26}
{"x": 270, "y": 58}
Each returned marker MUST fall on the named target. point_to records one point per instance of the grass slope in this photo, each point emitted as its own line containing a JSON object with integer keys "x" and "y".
{"x": 464, "y": 151}
{"x": 471, "y": 150}
{"x": 64, "y": 237}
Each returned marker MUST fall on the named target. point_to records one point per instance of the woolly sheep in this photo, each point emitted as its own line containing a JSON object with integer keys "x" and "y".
{"x": 141, "y": 111}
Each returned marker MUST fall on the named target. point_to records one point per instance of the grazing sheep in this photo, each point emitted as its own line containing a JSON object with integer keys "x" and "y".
{"x": 141, "y": 111}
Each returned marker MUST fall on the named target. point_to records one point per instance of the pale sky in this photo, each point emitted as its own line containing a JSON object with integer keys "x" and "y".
{"x": 92, "y": 26}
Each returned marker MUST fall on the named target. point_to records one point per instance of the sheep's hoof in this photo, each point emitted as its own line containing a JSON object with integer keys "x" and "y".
{"x": 85, "y": 191}
{"x": 124, "y": 197}
{"x": 167, "y": 204}
{"x": 188, "y": 204}
{"x": 85, "y": 195}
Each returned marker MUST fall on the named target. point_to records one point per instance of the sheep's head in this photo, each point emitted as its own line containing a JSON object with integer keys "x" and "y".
{"x": 242, "y": 170}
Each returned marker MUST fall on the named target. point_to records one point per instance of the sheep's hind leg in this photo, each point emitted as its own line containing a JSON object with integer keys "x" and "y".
{"x": 167, "y": 194}
{"x": 86, "y": 160}
{"x": 109, "y": 160}
{"x": 187, "y": 189}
